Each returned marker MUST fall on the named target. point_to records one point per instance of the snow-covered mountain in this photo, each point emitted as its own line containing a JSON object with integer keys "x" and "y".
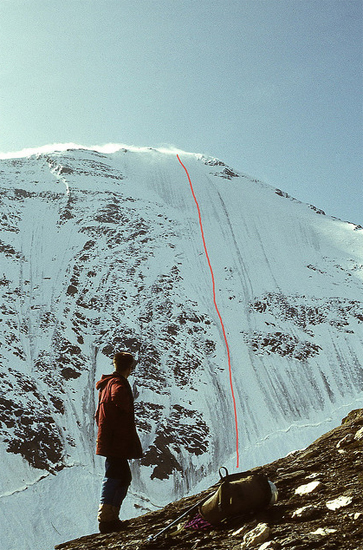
{"x": 103, "y": 251}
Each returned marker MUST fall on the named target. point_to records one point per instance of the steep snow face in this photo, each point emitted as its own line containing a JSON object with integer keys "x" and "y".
{"x": 101, "y": 252}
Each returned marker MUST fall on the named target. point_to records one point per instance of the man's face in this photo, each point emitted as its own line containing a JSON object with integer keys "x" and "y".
{"x": 128, "y": 372}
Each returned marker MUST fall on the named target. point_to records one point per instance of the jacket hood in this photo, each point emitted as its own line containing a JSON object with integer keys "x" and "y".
{"x": 105, "y": 378}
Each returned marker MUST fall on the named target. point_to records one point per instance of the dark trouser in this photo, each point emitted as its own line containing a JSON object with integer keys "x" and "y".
{"x": 114, "y": 488}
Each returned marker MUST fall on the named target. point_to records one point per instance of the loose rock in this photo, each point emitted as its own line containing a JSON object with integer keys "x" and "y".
{"x": 306, "y": 513}
{"x": 255, "y": 537}
{"x": 339, "y": 502}
{"x": 308, "y": 488}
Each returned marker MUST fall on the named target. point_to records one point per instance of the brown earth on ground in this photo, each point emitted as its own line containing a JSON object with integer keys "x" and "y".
{"x": 320, "y": 506}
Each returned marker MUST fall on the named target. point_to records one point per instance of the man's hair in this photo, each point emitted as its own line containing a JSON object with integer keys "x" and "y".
{"x": 123, "y": 361}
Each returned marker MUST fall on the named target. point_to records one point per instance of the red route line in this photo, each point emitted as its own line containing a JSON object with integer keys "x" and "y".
{"x": 216, "y": 307}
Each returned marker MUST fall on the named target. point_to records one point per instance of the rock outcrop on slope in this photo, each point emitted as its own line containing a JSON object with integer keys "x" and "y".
{"x": 320, "y": 506}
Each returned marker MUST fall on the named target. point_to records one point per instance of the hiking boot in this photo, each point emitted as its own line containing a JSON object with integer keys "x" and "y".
{"x": 112, "y": 526}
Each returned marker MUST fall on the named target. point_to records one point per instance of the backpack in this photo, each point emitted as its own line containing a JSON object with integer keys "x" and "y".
{"x": 238, "y": 494}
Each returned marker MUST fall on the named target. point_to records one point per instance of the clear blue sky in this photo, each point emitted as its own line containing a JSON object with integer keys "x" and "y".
{"x": 272, "y": 87}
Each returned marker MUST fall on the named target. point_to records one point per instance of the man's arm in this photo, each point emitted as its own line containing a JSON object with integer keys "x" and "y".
{"x": 120, "y": 396}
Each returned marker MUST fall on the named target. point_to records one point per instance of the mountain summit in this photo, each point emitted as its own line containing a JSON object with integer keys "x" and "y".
{"x": 242, "y": 305}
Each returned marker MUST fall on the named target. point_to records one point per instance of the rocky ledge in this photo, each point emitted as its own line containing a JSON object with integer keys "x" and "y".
{"x": 320, "y": 506}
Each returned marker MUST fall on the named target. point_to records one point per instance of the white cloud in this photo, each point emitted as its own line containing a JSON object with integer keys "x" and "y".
{"x": 107, "y": 148}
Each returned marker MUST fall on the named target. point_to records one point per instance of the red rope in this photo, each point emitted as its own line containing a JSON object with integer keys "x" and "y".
{"x": 216, "y": 307}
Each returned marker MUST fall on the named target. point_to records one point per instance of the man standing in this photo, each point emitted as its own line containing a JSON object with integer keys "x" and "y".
{"x": 117, "y": 439}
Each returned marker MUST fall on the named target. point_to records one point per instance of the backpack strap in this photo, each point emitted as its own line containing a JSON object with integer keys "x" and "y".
{"x": 223, "y": 493}
{"x": 221, "y": 476}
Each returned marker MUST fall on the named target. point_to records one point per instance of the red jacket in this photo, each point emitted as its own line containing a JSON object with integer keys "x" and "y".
{"x": 117, "y": 436}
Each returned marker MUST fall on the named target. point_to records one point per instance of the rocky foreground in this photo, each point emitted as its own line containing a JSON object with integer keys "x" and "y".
{"x": 320, "y": 506}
